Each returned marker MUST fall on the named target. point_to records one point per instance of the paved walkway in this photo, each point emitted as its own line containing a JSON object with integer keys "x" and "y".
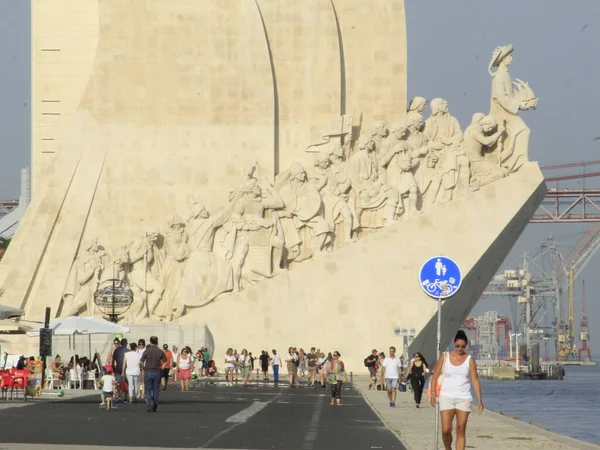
{"x": 213, "y": 416}
{"x": 416, "y": 426}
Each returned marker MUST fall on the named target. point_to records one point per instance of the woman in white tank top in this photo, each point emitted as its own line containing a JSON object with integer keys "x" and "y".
{"x": 455, "y": 399}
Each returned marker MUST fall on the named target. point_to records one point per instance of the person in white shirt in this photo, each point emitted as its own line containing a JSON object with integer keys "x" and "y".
{"x": 393, "y": 369}
{"x": 276, "y": 364}
{"x": 230, "y": 362}
{"x": 175, "y": 352}
{"x": 132, "y": 371}
{"x": 107, "y": 385}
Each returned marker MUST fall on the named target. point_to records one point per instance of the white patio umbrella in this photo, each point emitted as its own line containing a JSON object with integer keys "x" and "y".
{"x": 70, "y": 326}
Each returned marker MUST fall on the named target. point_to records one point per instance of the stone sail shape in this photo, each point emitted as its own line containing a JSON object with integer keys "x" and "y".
{"x": 178, "y": 103}
{"x": 140, "y": 106}
{"x": 354, "y": 297}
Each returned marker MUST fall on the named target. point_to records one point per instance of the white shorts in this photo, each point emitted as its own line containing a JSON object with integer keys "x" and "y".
{"x": 447, "y": 404}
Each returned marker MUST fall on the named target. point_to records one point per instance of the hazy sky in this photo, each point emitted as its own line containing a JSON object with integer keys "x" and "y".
{"x": 557, "y": 49}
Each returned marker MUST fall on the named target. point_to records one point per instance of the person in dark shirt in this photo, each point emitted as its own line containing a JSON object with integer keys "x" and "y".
{"x": 153, "y": 360}
{"x": 371, "y": 364}
{"x": 118, "y": 358}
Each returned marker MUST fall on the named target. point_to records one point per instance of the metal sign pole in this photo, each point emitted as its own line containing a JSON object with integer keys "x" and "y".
{"x": 439, "y": 277}
{"x": 439, "y": 352}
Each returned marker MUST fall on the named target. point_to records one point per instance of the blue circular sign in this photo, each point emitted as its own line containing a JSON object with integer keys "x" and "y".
{"x": 440, "y": 276}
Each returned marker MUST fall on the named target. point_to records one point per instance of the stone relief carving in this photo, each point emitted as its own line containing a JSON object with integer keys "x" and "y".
{"x": 84, "y": 278}
{"x": 143, "y": 277}
{"x": 358, "y": 183}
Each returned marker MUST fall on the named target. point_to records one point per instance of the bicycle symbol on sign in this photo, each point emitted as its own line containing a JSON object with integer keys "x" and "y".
{"x": 442, "y": 285}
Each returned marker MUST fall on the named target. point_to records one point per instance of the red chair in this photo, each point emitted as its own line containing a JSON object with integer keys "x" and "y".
{"x": 20, "y": 382}
{"x": 6, "y": 382}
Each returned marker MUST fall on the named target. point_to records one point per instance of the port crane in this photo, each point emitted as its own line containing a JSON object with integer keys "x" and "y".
{"x": 584, "y": 331}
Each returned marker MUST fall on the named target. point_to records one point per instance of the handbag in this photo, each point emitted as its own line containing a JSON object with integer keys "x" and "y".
{"x": 438, "y": 387}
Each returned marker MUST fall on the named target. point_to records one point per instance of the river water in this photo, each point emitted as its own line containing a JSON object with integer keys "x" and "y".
{"x": 570, "y": 407}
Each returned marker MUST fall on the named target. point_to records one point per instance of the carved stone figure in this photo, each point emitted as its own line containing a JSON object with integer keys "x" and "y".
{"x": 84, "y": 278}
{"x": 505, "y": 106}
{"x": 171, "y": 272}
{"x": 445, "y": 134}
{"x": 480, "y": 136}
{"x": 427, "y": 173}
{"x": 417, "y": 104}
{"x": 380, "y": 134}
{"x": 371, "y": 195}
{"x": 143, "y": 277}
{"x": 254, "y": 244}
{"x": 206, "y": 274}
{"x": 399, "y": 163}
{"x": 333, "y": 185}
{"x": 303, "y": 209}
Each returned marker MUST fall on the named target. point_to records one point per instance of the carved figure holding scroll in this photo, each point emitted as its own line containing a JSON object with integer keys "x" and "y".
{"x": 84, "y": 279}
{"x": 371, "y": 195}
{"x": 444, "y": 132}
{"x": 505, "y": 106}
{"x": 303, "y": 209}
{"x": 144, "y": 277}
{"x": 206, "y": 274}
{"x": 254, "y": 243}
{"x": 333, "y": 187}
{"x": 176, "y": 253}
{"x": 399, "y": 164}
{"x": 480, "y": 136}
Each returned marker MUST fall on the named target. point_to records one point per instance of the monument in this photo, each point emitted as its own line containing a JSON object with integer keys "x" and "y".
{"x": 250, "y": 167}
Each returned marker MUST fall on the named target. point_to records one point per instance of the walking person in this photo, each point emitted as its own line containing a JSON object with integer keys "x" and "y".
{"x": 371, "y": 364}
{"x": 382, "y": 371}
{"x": 292, "y": 368}
{"x": 132, "y": 371}
{"x": 230, "y": 363}
{"x": 336, "y": 374}
{"x": 393, "y": 370}
{"x": 455, "y": 394}
{"x": 153, "y": 360}
{"x": 167, "y": 366}
{"x": 140, "y": 350}
{"x": 311, "y": 362}
{"x": 276, "y": 364}
{"x": 264, "y": 364}
{"x": 173, "y": 365}
{"x": 185, "y": 366}
{"x": 417, "y": 370}
{"x": 244, "y": 363}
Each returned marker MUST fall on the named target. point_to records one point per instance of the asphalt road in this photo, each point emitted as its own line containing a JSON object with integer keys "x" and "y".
{"x": 208, "y": 416}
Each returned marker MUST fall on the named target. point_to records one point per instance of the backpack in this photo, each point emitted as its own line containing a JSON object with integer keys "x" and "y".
{"x": 367, "y": 361}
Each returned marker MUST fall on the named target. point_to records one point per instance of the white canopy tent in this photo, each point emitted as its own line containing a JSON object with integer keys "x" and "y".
{"x": 75, "y": 325}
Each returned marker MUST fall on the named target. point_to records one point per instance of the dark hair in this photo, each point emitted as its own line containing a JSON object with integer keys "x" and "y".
{"x": 420, "y": 355}
{"x": 142, "y": 342}
{"x": 133, "y": 346}
{"x": 461, "y": 336}
{"x": 124, "y": 342}
{"x": 153, "y": 340}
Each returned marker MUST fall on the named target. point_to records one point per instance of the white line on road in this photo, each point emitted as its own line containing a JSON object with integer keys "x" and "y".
{"x": 313, "y": 426}
{"x": 245, "y": 414}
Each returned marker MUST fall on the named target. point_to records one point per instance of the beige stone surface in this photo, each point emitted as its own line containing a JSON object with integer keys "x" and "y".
{"x": 416, "y": 427}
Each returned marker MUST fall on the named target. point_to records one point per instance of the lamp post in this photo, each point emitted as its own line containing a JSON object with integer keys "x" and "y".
{"x": 408, "y": 336}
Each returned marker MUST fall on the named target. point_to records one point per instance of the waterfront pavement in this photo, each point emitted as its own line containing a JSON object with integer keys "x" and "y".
{"x": 216, "y": 416}
{"x": 416, "y": 426}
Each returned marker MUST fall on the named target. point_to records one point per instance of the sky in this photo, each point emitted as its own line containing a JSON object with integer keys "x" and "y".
{"x": 557, "y": 49}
